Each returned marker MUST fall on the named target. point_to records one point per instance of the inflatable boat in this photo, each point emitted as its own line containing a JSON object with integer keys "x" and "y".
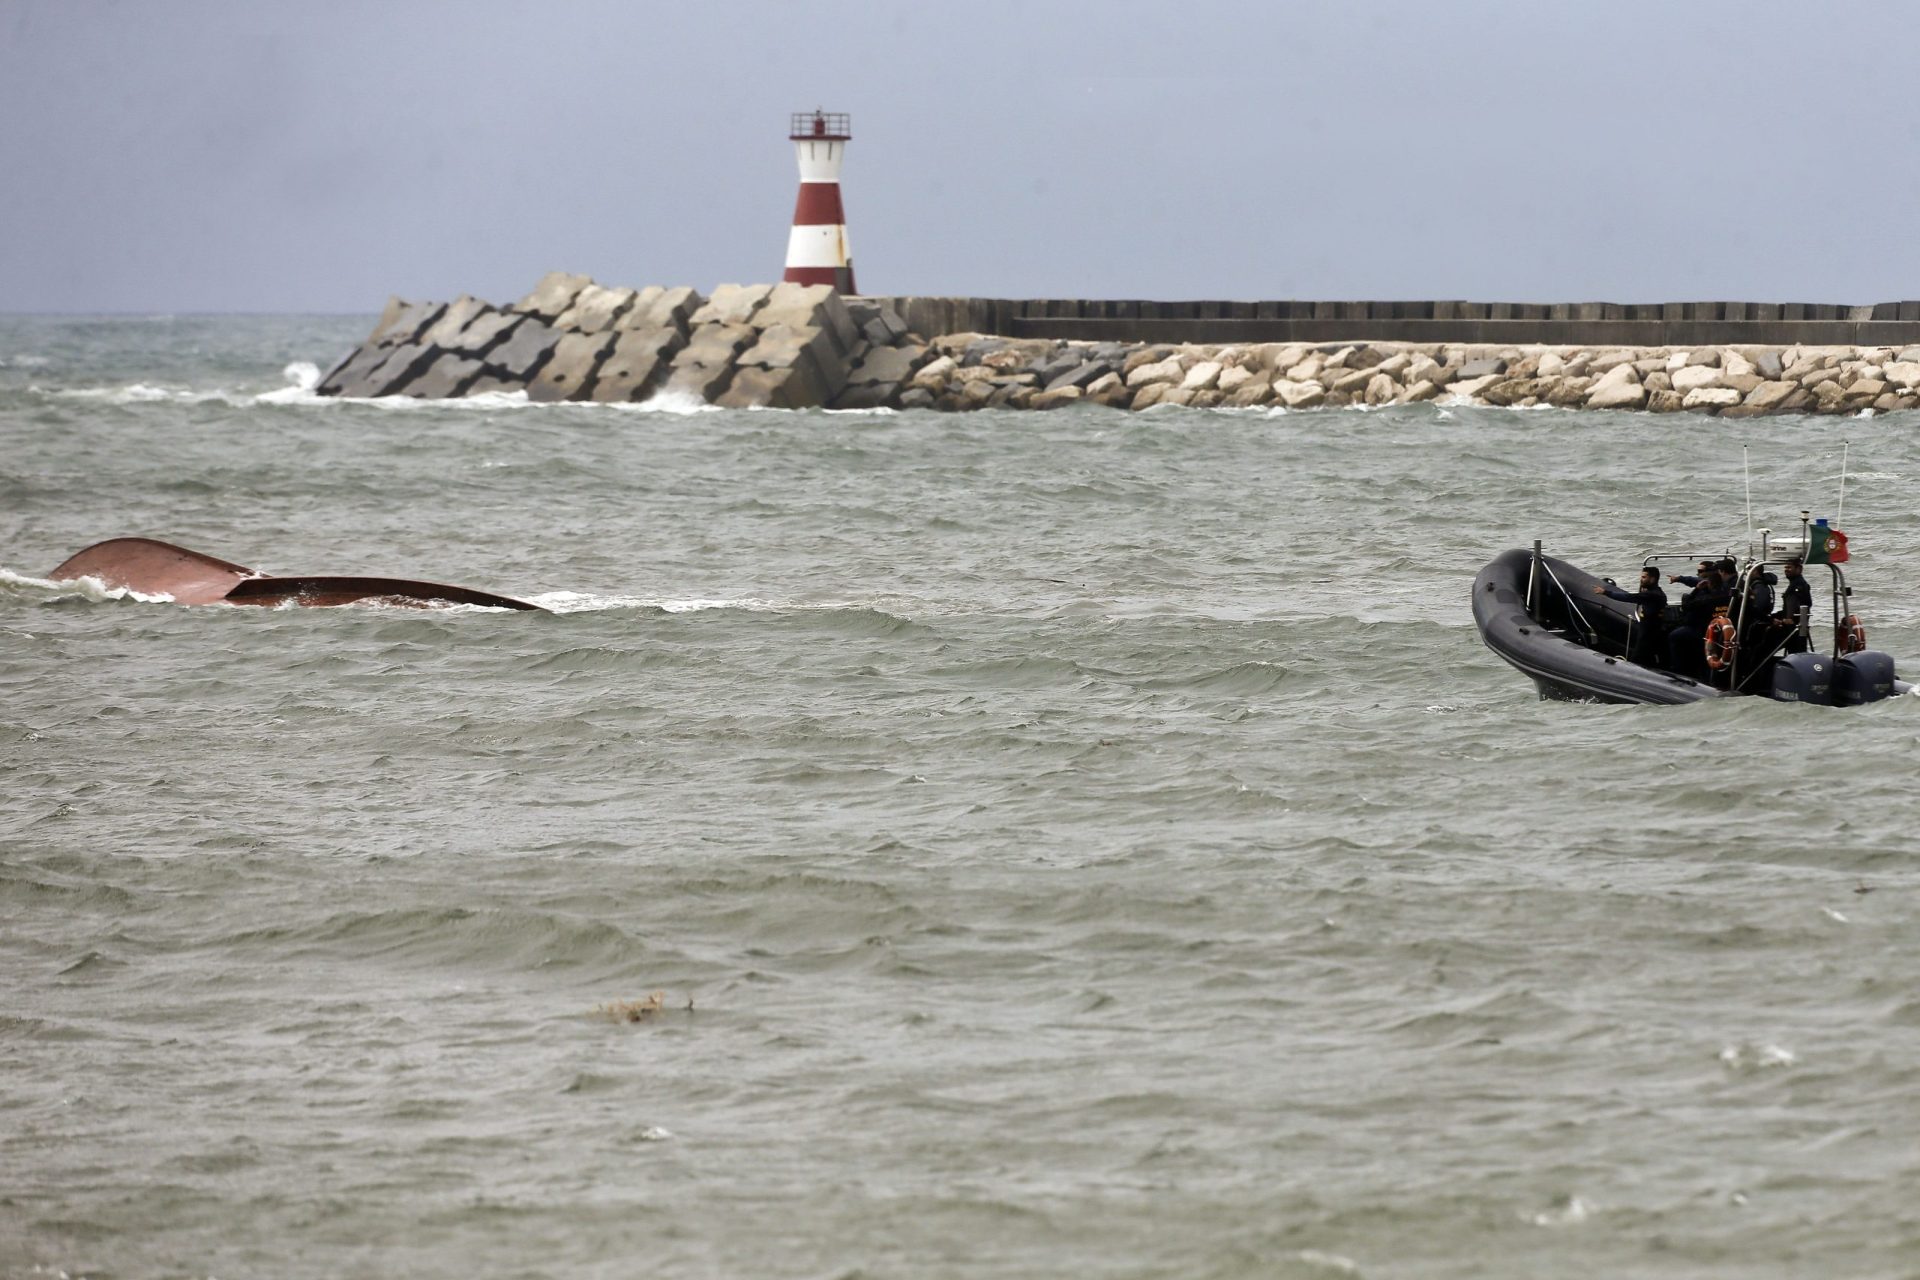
{"x": 1544, "y": 616}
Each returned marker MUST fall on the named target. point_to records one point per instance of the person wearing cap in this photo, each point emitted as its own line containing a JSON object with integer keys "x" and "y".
{"x": 1794, "y": 597}
{"x": 1652, "y": 602}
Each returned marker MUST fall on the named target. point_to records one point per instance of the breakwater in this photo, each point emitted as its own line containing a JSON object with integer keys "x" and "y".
{"x": 793, "y": 346}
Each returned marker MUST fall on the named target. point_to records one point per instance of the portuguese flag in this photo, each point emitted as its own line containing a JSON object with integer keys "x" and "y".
{"x": 1826, "y": 545}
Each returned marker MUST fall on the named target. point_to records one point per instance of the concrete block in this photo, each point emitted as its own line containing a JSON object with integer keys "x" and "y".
{"x": 596, "y": 307}
{"x": 802, "y": 306}
{"x": 882, "y": 395}
{"x": 553, "y": 295}
{"x": 403, "y": 321}
{"x": 888, "y": 364}
{"x": 715, "y": 344}
{"x": 701, "y": 381}
{"x": 446, "y": 378}
{"x": 781, "y": 347}
{"x": 485, "y": 331}
{"x": 455, "y": 316}
{"x": 732, "y": 304}
{"x": 638, "y": 360}
{"x": 524, "y": 351}
{"x": 658, "y": 308}
{"x": 349, "y": 377}
{"x": 569, "y": 373}
{"x": 403, "y": 364}
{"x": 792, "y": 387}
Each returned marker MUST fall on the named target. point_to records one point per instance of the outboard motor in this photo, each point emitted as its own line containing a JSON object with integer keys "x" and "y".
{"x": 1808, "y": 677}
{"x": 1866, "y": 676}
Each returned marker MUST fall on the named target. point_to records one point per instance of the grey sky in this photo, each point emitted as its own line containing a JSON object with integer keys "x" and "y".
{"x": 251, "y": 155}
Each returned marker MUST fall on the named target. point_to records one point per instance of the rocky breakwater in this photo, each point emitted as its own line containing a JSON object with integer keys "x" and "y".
{"x": 975, "y": 371}
{"x": 780, "y": 346}
{"x": 794, "y": 347}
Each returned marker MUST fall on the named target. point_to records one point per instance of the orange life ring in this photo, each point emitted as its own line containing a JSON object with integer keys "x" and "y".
{"x": 1721, "y": 641}
{"x": 1852, "y": 637}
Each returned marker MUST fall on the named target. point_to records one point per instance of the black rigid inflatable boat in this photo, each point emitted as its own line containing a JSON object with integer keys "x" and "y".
{"x": 1543, "y": 616}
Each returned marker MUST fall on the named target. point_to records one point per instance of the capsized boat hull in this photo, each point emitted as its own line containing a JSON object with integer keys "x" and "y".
{"x": 151, "y": 567}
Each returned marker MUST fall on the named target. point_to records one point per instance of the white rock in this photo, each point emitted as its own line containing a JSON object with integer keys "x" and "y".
{"x": 1904, "y": 374}
{"x": 1735, "y": 365}
{"x": 1167, "y": 370}
{"x": 1474, "y": 386}
{"x": 1710, "y": 397}
{"x": 1694, "y": 377}
{"x": 1552, "y": 365}
{"x": 1232, "y": 378}
{"x": 1678, "y": 361}
{"x": 1300, "y": 395}
{"x": 1308, "y": 369}
{"x": 1617, "y": 393}
{"x": 1202, "y": 376}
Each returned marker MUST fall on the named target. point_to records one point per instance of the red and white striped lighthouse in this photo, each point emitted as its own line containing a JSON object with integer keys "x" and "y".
{"x": 817, "y": 248}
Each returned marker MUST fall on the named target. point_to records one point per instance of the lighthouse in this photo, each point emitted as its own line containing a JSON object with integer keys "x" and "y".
{"x": 817, "y": 247}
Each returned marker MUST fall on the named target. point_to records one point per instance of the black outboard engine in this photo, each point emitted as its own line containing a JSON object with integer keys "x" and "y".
{"x": 1862, "y": 677}
{"x": 1809, "y": 677}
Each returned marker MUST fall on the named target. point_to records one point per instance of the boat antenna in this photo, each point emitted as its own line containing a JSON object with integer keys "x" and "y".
{"x": 1748, "y": 471}
{"x": 1844, "y": 445}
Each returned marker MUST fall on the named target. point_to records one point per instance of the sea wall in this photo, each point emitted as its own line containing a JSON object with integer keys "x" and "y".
{"x": 793, "y": 346}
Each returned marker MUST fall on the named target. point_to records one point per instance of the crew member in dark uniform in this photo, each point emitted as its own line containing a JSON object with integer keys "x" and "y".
{"x": 1686, "y": 651}
{"x": 1652, "y": 602}
{"x": 1794, "y": 597}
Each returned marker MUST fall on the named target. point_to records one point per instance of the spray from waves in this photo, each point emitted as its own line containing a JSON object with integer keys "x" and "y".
{"x": 20, "y": 586}
{"x": 583, "y": 602}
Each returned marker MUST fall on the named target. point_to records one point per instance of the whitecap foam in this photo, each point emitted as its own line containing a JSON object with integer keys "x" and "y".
{"x": 85, "y": 588}
{"x": 681, "y": 402}
{"x": 584, "y": 602}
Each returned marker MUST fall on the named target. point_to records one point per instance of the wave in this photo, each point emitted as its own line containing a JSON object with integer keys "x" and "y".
{"x": 21, "y": 586}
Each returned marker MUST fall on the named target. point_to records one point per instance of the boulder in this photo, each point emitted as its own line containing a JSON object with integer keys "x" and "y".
{"x": 1694, "y": 377}
{"x": 916, "y": 398}
{"x": 1735, "y": 365}
{"x": 1511, "y": 391}
{"x": 1741, "y": 382}
{"x": 1347, "y": 381}
{"x": 1904, "y": 374}
{"x": 1152, "y": 354}
{"x": 732, "y": 304}
{"x": 1828, "y": 396}
{"x": 1233, "y": 377}
{"x": 568, "y": 374}
{"x": 595, "y": 308}
{"x": 1769, "y": 395}
{"x": 1167, "y": 370}
{"x": 1202, "y": 377}
{"x": 1472, "y": 387}
{"x": 445, "y": 378}
{"x": 1149, "y": 394}
{"x": 1709, "y": 398}
{"x": 1381, "y": 388}
{"x": 1103, "y": 384}
{"x": 1300, "y": 395}
{"x": 1481, "y": 369}
{"x": 1177, "y": 395}
{"x": 1658, "y": 380}
{"x": 1866, "y": 390}
{"x": 1080, "y": 375}
{"x": 1663, "y": 401}
{"x": 1420, "y": 391}
{"x": 1618, "y": 388}
{"x": 1055, "y": 398}
{"x": 1551, "y": 365}
{"x": 553, "y": 295}
{"x": 640, "y": 359}
{"x": 1257, "y": 390}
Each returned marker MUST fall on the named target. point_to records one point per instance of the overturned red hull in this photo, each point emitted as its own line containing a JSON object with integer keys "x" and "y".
{"x": 156, "y": 568}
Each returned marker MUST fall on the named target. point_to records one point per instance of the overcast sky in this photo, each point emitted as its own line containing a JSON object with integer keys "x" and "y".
{"x": 258, "y": 155}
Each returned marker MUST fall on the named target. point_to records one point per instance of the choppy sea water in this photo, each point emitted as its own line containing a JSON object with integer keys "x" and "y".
{"x": 1074, "y": 844}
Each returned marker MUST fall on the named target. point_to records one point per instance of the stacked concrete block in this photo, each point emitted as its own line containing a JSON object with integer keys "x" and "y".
{"x": 555, "y": 293}
{"x": 596, "y": 308}
{"x": 372, "y": 369}
{"x": 637, "y": 364}
{"x": 569, "y": 372}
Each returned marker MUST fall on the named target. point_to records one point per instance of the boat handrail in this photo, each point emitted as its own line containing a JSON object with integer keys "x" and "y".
{"x": 1573, "y": 605}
